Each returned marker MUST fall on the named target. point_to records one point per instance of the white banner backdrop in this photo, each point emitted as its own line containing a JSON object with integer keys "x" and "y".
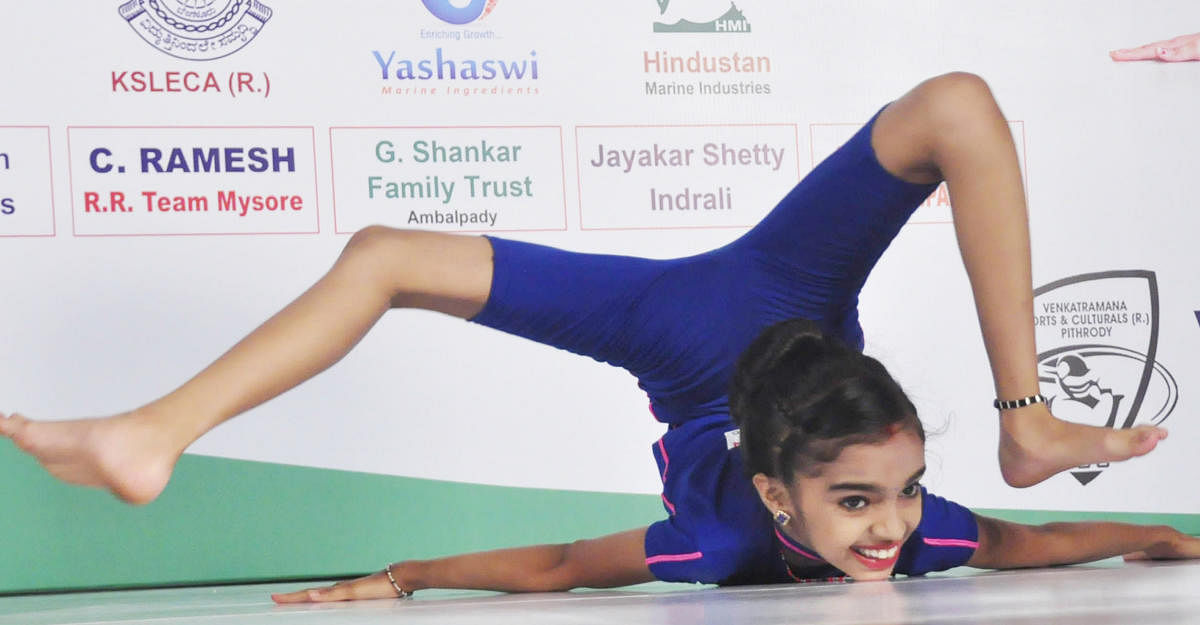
{"x": 282, "y": 109}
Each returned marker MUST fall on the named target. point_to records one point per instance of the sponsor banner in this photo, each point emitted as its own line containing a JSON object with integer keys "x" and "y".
{"x": 695, "y": 176}
{"x": 26, "y": 183}
{"x": 828, "y": 137}
{"x": 143, "y": 180}
{"x": 453, "y": 179}
{"x": 1099, "y": 336}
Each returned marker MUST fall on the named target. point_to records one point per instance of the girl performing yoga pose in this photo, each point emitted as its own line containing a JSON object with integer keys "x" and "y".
{"x": 825, "y": 485}
{"x": 833, "y": 447}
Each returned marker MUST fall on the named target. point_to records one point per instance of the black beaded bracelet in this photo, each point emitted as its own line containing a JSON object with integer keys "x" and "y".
{"x": 1019, "y": 403}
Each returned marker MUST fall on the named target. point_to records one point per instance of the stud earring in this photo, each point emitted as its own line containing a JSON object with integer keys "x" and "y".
{"x": 782, "y": 517}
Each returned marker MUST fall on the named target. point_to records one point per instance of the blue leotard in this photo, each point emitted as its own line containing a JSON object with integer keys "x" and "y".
{"x": 678, "y": 326}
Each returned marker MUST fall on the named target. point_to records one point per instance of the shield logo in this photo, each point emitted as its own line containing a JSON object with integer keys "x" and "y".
{"x": 1099, "y": 336}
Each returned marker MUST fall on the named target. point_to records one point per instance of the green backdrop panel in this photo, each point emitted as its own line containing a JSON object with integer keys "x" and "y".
{"x": 235, "y": 521}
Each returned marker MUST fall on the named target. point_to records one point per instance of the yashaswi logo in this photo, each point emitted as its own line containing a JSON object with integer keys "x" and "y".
{"x": 451, "y": 12}
{"x": 451, "y": 70}
{"x": 196, "y": 30}
{"x": 1100, "y": 336}
{"x": 700, "y": 16}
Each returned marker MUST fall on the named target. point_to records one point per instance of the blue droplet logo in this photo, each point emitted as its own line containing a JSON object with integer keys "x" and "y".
{"x": 446, "y": 11}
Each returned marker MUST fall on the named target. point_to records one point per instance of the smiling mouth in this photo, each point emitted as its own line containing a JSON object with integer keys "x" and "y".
{"x": 877, "y": 558}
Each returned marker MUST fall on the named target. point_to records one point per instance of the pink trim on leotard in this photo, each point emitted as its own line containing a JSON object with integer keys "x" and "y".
{"x": 662, "y": 449}
{"x": 678, "y": 557}
{"x": 793, "y": 547}
{"x": 951, "y": 542}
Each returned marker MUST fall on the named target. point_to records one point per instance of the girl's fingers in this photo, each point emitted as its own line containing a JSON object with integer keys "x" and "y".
{"x": 9, "y": 424}
{"x": 312, "y": 595}
{"x": 299, "y": 596}
{"x": 1181, "y": 48}
{"x": 1179, "y": 548}
{"x": 1140, "y": 53}
{"x": 371, "y": 587}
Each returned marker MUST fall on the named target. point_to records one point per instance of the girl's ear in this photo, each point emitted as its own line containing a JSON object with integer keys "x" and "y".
{"x": 773, "y": 493}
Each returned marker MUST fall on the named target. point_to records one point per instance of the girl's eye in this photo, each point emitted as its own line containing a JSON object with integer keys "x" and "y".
{"x": 853, "y": 503}
{"x": 912, "y": 490}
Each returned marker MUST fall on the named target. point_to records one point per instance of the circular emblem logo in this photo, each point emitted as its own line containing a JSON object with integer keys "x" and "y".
{"x": 459, "y": 12}
{"x": 196, "y": 30}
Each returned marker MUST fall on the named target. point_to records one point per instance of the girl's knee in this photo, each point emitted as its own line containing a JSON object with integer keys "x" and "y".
{"x": 374, "y": 237}
{"x": 446, "y": 272}
{"x": 957, "y": 85}
{"x": 957, "y": 98}
{"x": 936, "y": 118}
{"x": 376, "y": 244}
{"x": 957, "y": 111}
{"x": 372, "y": 251}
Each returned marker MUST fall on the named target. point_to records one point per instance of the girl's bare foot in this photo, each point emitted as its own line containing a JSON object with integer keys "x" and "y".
{"x": 130, "y": 455}
{"x": 1034, "y": 445}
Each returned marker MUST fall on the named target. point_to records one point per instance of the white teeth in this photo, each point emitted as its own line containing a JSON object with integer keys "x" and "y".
{"x": 878, "y": 554}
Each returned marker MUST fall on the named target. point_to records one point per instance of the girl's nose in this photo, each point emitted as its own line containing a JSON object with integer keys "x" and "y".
{"x": 889, "y": 526}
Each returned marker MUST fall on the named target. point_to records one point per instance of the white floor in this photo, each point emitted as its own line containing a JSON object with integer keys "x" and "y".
{"x": 1109, "y": 592}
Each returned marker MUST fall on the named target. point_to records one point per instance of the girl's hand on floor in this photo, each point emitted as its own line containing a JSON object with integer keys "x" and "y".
{"x": 1182, "y": 48}
{"x": 375, "y": 586}
{"x": 1179, "y": 546}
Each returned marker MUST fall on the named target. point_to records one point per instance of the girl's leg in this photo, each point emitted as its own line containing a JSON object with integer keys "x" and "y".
{"x": 951, "y": 128}
{"x": 133, "y": 454}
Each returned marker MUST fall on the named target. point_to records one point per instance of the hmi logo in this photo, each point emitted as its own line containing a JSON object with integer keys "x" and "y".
{"x": 700, "y": 16}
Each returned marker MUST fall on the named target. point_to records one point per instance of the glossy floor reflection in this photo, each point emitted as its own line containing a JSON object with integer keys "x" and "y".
{"x": 1109, "y": 592}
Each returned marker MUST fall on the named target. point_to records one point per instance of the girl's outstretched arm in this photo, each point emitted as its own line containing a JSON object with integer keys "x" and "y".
{"x": 605, "y": 562}
{"x": 1005, "y": 545}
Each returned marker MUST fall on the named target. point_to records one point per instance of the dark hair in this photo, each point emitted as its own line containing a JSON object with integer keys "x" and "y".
{"x": 800, "y": 397}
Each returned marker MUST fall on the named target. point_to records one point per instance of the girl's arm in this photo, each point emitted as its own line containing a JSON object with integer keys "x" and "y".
{"x": 605, "y": 562}
{"x": 1004, "y": 545}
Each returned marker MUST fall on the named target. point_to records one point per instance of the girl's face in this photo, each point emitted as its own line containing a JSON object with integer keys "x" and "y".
{"x": 863, "y": 506}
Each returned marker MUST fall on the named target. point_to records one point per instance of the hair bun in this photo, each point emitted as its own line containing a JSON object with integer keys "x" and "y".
{"x": 794, "y": 345}
{"x": 800, "y": 396}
